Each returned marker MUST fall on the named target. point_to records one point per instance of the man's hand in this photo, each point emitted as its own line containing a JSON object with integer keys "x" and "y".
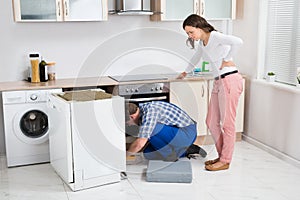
{"x": 137, "y": 145}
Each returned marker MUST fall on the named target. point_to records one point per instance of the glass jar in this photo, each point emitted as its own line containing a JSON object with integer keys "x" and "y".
{"x": 51, "y": 71}
{"x": 34, "y": 61}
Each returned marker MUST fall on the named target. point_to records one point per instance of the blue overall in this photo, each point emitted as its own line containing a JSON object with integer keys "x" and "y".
{"x": 167, "y": 140}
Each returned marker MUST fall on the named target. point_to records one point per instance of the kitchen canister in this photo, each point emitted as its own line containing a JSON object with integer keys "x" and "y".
{"x": 51, "y": 71}
{"x": 34, "y": 61}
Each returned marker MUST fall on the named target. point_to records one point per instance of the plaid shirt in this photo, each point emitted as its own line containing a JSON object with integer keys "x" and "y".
{"x": 155, "y": 112}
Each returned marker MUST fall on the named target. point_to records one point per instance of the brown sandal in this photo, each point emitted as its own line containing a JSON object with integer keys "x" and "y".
{"x": 210, "y": 162}
{"x": 212, "y": 167}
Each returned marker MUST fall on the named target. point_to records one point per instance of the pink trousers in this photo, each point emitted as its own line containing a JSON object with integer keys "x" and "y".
{"x": 221, "y": 115}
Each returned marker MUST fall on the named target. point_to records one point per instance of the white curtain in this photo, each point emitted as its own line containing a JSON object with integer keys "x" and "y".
{"x": 282, "y": 54}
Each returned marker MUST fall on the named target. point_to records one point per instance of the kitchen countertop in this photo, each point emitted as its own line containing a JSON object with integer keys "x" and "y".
{"x": 87, "y": 82}
{"x": 58, "y": 83}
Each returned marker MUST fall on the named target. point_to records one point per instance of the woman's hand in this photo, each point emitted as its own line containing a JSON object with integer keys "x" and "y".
{"x": 227, "y": 64}
{"x": 182, "y": 75}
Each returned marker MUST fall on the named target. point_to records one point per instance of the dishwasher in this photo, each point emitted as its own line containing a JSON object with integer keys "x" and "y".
{"x": 87, "y": 147}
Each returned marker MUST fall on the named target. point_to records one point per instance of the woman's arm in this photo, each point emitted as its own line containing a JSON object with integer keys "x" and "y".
{"x": 192, "y": 63}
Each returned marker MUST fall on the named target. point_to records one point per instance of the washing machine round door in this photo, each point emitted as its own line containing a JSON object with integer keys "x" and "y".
{"x": 32, "y": 126}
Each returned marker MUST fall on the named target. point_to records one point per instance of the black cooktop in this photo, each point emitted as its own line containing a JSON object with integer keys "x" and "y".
{"x": 139, "y": 77}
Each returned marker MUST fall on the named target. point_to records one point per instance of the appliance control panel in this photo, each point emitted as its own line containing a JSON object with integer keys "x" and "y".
{"x": 146, "y": 88}
{"x": 36, "y": 96}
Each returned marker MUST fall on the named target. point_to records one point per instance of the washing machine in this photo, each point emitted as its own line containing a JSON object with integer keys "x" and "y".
{"x": 26, "y": 126}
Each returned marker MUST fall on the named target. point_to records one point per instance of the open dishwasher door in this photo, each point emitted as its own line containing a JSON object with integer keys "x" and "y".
{"x": 60, "y": 144}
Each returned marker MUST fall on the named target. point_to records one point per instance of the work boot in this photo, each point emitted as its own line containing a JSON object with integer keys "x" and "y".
{"x": 195, "y": 149}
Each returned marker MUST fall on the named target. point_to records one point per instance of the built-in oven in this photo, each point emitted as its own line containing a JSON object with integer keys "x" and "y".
{"x": 142, "y": 88}
{"x": 143, "y": 92}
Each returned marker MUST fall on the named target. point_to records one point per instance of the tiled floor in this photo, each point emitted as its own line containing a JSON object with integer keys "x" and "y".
{"x": 253, "y": 174}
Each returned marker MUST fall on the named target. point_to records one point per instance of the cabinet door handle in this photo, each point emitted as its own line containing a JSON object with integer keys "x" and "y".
{"x": 196, "y": 7}
{"x": 202, "y": 7}
{"x": 202, "y": 91}
{"x": 58, "y": 7}
{"x": 66, "y": 8}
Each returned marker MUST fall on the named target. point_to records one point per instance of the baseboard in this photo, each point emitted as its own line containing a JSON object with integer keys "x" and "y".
{"x": 272, "y": 151}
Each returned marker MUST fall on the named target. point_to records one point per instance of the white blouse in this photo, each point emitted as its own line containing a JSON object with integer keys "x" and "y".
{"x": 219, "y": 47}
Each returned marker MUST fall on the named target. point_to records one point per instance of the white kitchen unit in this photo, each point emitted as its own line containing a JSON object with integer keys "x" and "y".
{"x": 87, "y": 147}
{"x": 60, "y": 10}
{"x": 239, "y": 122}
{"x": 178, "y": 10}
{"x": 191, "y": 96}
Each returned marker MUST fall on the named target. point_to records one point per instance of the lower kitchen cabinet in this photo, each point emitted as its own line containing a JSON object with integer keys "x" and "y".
{"x": 192, "y": 97}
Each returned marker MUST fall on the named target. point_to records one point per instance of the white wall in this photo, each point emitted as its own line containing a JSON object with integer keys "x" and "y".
{"x": 127, "y": 44}
{"x": 69, "y": 44}
{"x": 84, "y": 49}
{"x": 273, "y": 117}
{"x": 270, "y": 109}
{"x": 246, "y": 27}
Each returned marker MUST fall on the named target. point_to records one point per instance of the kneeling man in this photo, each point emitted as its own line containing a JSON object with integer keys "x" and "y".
{"x": 166, "y": 132}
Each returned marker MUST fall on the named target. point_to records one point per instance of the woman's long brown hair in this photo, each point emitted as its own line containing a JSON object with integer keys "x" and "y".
{"x": 197, "y": 22}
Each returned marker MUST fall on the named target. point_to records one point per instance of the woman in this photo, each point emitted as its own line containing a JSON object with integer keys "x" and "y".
{"x": 217, "y": 49}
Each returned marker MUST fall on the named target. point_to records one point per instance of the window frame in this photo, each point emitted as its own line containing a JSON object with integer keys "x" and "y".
{"x": 285, "y": 76}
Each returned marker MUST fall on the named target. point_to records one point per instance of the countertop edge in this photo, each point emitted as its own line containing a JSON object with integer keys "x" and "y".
{"x": 86, "y": 82}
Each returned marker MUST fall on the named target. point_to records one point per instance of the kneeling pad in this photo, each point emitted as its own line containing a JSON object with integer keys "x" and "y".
{"x": 169, "y": 172}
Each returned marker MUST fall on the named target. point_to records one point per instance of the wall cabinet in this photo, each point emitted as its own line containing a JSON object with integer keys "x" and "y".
{"x": 172, "y": 10}
{"x": 217, "y": 9}
{"x": 192, "y": 97}
{"x": 60, "y": 10}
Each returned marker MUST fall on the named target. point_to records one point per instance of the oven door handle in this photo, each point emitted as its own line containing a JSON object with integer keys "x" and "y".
{"x": 146, "y": 99}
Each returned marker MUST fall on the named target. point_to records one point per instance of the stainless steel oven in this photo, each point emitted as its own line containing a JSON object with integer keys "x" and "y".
{"x": 143, "y": 92}
{"x": 142, "y": 88}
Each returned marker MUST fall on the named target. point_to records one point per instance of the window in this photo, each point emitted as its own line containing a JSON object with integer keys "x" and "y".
{"x": 282, "y": 47}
